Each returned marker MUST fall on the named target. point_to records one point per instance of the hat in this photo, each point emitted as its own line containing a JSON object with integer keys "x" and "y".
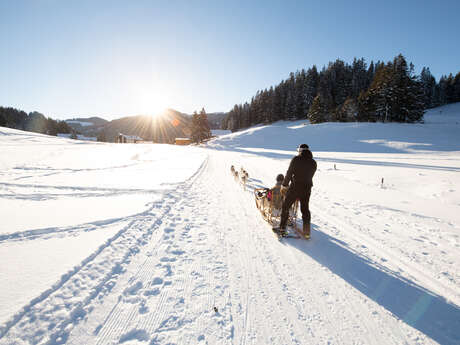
{"x": 302, "y": 147}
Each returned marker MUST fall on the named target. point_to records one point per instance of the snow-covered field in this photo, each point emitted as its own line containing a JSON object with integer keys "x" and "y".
{"x": 79, "y": 136}
{"x": 157, "y": 244}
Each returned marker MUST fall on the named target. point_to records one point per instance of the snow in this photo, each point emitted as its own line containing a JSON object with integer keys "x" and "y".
{"x": 79, "y": 136}
{"x": 219, "y": 132}
{"x": 138, "y": 243}
{"x": 81, "y": 123}
{"x": 131, "y": 137}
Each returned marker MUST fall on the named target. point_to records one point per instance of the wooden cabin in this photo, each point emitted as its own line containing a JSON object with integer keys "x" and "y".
{"x": 183, "y": 141}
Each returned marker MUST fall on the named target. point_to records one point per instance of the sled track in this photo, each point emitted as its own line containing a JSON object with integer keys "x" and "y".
{"x": 172, "y": 291}
{"x": 79, "y": 290}
{"x": 203, "y": 260}
{"x": 82, "y": 189}
{"x": 306, "y": 286}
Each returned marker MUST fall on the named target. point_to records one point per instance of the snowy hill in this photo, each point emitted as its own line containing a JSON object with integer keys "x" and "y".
{"x": 87, "y": 121}
{"x": 161, "y": 129}
{"x": 439, "y": 133}
{"x": 157, "y": 244}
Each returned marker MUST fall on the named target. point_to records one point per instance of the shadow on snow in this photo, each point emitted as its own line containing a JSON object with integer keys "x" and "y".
{"x": 427, "y": 312}
{"x": 357, "y": 137}
{"x": 289, "y": 155}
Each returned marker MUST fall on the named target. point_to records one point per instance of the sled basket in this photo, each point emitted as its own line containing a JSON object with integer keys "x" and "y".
{"x": 269, "y": 203}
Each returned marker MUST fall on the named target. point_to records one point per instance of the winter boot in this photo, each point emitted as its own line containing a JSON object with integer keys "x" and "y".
{"x": 280, "y": 230}
{"x": 306, "y": 230}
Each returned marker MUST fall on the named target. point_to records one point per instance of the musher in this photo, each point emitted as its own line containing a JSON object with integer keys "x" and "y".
{"x": 300, "y": 176}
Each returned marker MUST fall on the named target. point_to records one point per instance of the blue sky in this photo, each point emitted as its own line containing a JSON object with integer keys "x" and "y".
{"x": 120, "y": 58}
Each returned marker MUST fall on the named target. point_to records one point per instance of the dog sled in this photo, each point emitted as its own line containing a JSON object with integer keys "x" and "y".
{"x": 269, "y": 202}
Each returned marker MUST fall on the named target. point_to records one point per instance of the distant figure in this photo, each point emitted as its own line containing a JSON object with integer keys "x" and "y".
{"x": 300, "y": 176}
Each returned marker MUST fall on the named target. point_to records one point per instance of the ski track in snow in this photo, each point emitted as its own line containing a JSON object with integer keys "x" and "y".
{"x": 48, "y": 318}
{"x": 380, "y": 253}
{"x": 46, "y": 233}
{"x": 158, "y": 280}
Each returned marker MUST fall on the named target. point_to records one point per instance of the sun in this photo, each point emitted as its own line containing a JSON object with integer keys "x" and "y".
{"x": 158, "y": 113}
{"x": 150, "y": 101}
{"x": 156, "y": 106}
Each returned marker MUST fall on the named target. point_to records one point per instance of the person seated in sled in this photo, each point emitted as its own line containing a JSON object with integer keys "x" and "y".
{"x": 276, "y": 196}
{"x": 270, "y": 200}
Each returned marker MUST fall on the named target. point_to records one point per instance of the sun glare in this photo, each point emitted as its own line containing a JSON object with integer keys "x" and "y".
{"x": 158, "y": 113}
{"x": 149, "y": 100}
{"x": 156, "y": 106}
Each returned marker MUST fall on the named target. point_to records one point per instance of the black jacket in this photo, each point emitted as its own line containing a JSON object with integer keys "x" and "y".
{"x": 301, "y": 171}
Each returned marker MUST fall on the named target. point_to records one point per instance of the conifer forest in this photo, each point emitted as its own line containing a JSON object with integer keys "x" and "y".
{"x": 342, "y": 92}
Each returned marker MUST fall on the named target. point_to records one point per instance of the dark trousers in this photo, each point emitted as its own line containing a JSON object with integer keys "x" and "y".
{"x": 303, "y": 194}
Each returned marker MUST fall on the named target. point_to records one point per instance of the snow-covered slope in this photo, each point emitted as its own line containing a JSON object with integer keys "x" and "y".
{"x": 157, "y": 244}
{"x": 440, "y": 133}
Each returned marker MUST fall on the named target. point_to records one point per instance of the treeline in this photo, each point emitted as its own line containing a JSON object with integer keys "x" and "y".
{"x": 32, "y": 122}
{"x": 343, "y": 92}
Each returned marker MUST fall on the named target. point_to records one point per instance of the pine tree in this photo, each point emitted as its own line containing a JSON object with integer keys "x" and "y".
{"x": 270, "y": 106}
{"x": 428, "y": 84}
{"x": 415, "y": 101}
{"x": 364, "y": 106}
{"x": 408, "y": 101}
{"x": 450, "y": 89}
{"x": 301, "y": 109}
{"x": 394, "y": 95}
{"x": 36, "y": 122}
{"x": 278, "y": 103}
{"x": 349, "y": 110}
{"x": 376, "y": 103}
{"x": 310, "y": 88}
{"x": 290, "y": 107}
{"x": 456, "y": 97}
{"x": 370, "y": 75}
{"x": 359, "y": 79}
{"x": 51, "y": 126}
{"x": 317, "y": 112}
{"x": 415, "y": 97}
{"x": 442, "y": 93}
{"x": 200, "y": 126}
{"x": 341, "y": 82}
{"x": 284, "y": 94}
{"x": 205, "y": 129}
{"x": 63, "y": 127}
